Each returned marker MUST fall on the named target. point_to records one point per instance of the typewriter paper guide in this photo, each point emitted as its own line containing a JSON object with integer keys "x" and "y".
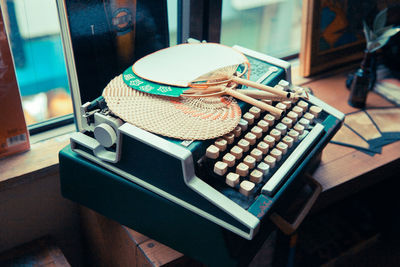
{"x": 181, "y": 64}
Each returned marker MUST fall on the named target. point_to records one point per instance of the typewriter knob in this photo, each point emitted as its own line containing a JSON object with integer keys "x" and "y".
{"x": 105, "y": 134}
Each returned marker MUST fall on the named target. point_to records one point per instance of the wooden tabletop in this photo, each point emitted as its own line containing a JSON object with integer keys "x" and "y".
{"x": 340, "y": 164}
{"x": 339, "y": 167}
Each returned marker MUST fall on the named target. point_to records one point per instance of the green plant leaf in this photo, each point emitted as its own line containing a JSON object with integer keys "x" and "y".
{"x": 380, "y": 20}
{"x": 389, "y": 33}
{"x": 372, "y": 35}
{"x": 373, "y": 46}
{"x": 383, "y": 30}
{"x": 366, "y": 31}
{"x": 383, "y": 39}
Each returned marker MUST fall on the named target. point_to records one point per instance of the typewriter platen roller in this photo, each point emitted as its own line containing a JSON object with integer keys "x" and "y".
{"x": 233, "y": 181}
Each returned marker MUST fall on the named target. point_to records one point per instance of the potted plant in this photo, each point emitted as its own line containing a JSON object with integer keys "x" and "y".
{"x": 364, "y": 78}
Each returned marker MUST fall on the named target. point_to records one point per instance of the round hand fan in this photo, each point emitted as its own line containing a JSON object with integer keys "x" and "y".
{"x": 202, "y": 66}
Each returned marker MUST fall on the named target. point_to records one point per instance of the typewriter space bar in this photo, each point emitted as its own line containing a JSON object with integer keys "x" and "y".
{"x": 292, "y": 161}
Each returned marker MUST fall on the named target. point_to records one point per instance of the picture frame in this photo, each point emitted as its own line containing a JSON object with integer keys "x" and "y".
{"x": 332, "y": 33}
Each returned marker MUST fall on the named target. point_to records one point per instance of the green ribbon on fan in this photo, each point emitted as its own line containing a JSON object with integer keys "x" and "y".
{"x": 137, "y": 83}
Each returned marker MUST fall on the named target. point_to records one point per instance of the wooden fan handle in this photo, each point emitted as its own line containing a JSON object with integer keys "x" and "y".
{"x": 286, "y": 95}
{"x": 254, "y": 102}
{"x": 257, "y": 94}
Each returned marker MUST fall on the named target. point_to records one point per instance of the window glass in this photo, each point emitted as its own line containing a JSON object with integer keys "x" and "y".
{"x": 38, "y": 57}
{"x": 172, "y": 6}
{"x": 269, "y": 26}
{"x": 34, "y": 30}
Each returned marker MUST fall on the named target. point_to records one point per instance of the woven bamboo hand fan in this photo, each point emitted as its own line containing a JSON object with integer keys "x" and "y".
{"x": 181, "y": 118}
{"x": 201, "y": 66}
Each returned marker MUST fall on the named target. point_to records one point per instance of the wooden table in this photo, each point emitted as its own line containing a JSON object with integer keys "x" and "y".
{"x": 343, "y": 171}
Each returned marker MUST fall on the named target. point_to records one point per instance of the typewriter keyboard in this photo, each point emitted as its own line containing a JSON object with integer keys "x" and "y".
{"x": 258, "y": 155}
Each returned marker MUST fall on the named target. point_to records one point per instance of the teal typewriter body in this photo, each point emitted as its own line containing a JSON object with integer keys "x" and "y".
{"x": 169, "y": 190}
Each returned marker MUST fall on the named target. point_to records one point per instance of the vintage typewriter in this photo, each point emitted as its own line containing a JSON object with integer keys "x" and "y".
{"x": 234, "y": 181}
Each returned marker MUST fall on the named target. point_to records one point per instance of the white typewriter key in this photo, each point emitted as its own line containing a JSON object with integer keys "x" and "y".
{"x": 212, "y": 152}
{"x": 242, "y": 169}
{"x": 257, "y": 154}
{"x": 281, "y": 127}
{"x": 276, "y": 116}
{"x": 252, "y": 138}
{"x": 309, "y": 117}
{"x": 248, "y": 117}
{"x": 256, "y": 176}
{"x": 315, "y": 110}
{"x": 255, "y": 111}
{"x": 288, "y": 122}
{"x": 229, "y": 159}
{"x": 282, "y": 147}
{"x": 269, "y": 140}
{"x": 263, "y": 125}
{"x": 276, "y": 153}
{"x": 281, "y": 106}
{"x": 288, "y": 140}
{"x": 263, "y": 167}
{"x": 303, "y": 105}
{"x": 246, "y": 188}
{"x": 237, "y": 131}
{"x": 263, "y": 147}
{"x": 270, "y": 160}
{"x": 244, "y": 144}
{"x": 229, "y": 137}
{"x": 232, "y": 179}
{"x": 269, "y": 119}
{"x": 221, "y": 144}
{"x": 303, "y": 121}
{"x": 220, "y": 167}
{"x": 288, "y": 104}
{"x": 299, "y": 128}
{"x": 250, "y": 161}
{"x": 276, "y": 134}
{"x": 279, "y": 87}
{"x": 292, "y": 115}
{"x": 243, "y": 124}
{"x": 267, "y": 101}
{"x": 298, "y": 110}
{"x": 294, "y": 134}
{"x": 237, "y": 152}
{"x": 257, "y": 131}
{"x": 284, "y": 84}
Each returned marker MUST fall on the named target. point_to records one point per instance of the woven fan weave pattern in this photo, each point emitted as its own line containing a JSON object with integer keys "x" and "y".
{"x": 181, "y": 118}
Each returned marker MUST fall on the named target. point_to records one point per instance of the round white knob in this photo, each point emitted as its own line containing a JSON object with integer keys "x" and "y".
{"x": 105, "y": 134}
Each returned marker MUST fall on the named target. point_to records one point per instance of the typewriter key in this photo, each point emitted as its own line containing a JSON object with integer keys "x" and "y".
{"x": 315, "y": 111}
{"x": 263, "y": 147}
{"x": 256, "y": 176}
{"x": 220, "y": 167}
{"x": 242, "y": 169}
{"x": 232, "y": 179}
{"x": 263, "y": 125}
{"x": 246, "y": 187}
{"x": 212, "y": 152}
{"x": 270, "y": 160}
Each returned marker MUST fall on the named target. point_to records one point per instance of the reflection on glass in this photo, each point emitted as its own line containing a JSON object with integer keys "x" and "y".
{"x": 172, "y": 6}
{"x": 269, "y": 26}
{"x": 36, "y": 45}
{"x": 39, "y": 61}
